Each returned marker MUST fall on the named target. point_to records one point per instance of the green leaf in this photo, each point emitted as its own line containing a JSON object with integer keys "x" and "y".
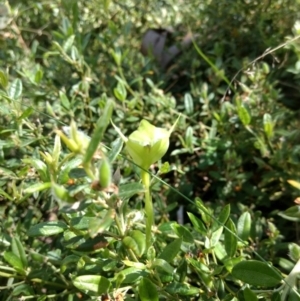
{"x": 182, "y": 270}
{"x": 171, "y": 250}
{"x": 68, "y": 43}
{"x": 276, "y": 296}
{"x": 188, "y": 103}
{"x": 69, "y": 170}
{"x": 37, "y": 187}
{"x": 215, "y": 237}
{"x": 47, "y": 228}
{"x": 67, "y": 261}
{"x": 61, "y": 193}
{"x": 38, "y": 75}
{"x": 293, "y": 212}
{"x": 296, "y": 184}
{"x": 231, "y": 262}
{"x": 13, "y": 260}
{"x": 26, "y": 113}
{"x": 183, "y": 232}
{"x": 82, "y": 222}
{"x": 164, "y": 265}
{"x": 64, "y": 100}
{"x": 3, "y": 79}
{"x": 116, "y": 148}
{"x": 294, "y": 251}
{"x": 256, "y": 273}
{"x": 197, "y": 223}
{"x": 15, "y": 89}
{"x": 40, "y": 167}
{"x": 151, "y": 254}
{"x": 136, "y": 242}
{"x": 268, "y": 125}
{"x": 200, "y": 267}
{"x": 128, "y": 190}
{"x": 76, "y": 173}
{"x": 189, "y": 139}
{"x": 244, "y": 115}
{"x": 230, "y": 238}
{"x": 18, "y": 250}
{"x": 23, "y": 289}
{"x": 249, "y": 295}
{"x": 120, "y": 91}
{"x": 134, "y": 264}
{"x": 56, "y": 150}
{"x": 140, "y": 240}
{"x": 106, "y": 5}
{"x": 6, "y": 195}
{"x": 164, "y": 168}
{"x": 182, "y": 289}
{"x": 244, "y": 226}
{"x": 205, "y": 213}
{"x": 147, "y": 290}
{"x": 130, "y": 275}
{"x": 117, "y": 56}
{"x": 92, "y": 283}
{"x": 293, "y": 295}
{"x": 222, "y": 218}
{"x": 97, "y": 136}
{"x": 130, "y": 243}
{"x": 99, "y": 225}
{"x": 82, "y": 244}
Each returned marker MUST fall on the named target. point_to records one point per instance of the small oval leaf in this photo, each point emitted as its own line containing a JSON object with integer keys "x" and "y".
{"x": 268, "y": 125}
{"x": 197, "y": 223}
{"x": 183, "y": 232}
{"x": 256, "y": 273}
{"x": 37, "y": 187}
{"x": 14, "y": 261}
{"x": 230, "y": 238}
{"x": 19, "y": 251}
{"x": 147, "y": 290}
{"x": 162, "y": 264}
{"x": 244, "y": 115}
{"x": 249, "y": 295}
{"x": 92, "y": 283}
{"x": 47, "y": 228}
{"x": 188, "y": 103}
{"x": 244, "y": 226}
{"x": 116, "y": 148}
{"x": 171, "y": 250}
{"x": 15, "y": 89}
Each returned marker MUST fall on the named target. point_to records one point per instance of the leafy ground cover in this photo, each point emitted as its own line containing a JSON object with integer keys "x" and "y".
{"x": 122, "y": 179}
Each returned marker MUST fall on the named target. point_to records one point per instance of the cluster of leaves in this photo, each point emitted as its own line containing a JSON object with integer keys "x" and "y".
{"x": 232, "y": 158}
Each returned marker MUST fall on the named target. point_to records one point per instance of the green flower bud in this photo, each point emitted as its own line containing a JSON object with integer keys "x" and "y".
{"x": 147, "y": 144}
{"x": 71, "y": 144}
{"x": 105, "y": 173}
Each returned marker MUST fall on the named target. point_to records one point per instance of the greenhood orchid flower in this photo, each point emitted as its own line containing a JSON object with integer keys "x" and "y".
{"x": 147, "y": 144}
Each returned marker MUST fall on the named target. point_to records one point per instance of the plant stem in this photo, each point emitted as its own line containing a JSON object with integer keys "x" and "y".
{"x": 148, "y": 207}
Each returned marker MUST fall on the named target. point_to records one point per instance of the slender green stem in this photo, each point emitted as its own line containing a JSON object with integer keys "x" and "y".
{"x": 148, "y": 207}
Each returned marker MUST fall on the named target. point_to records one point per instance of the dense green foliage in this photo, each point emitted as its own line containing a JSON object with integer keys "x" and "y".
{"x": 77, "y": 221}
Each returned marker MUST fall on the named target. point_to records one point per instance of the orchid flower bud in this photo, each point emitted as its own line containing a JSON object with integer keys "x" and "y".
{"x": 147, "y": 144}
{"x": 105, "y": 175}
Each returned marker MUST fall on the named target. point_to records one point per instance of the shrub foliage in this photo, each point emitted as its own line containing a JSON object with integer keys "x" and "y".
{"x": 82, "y": 216}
